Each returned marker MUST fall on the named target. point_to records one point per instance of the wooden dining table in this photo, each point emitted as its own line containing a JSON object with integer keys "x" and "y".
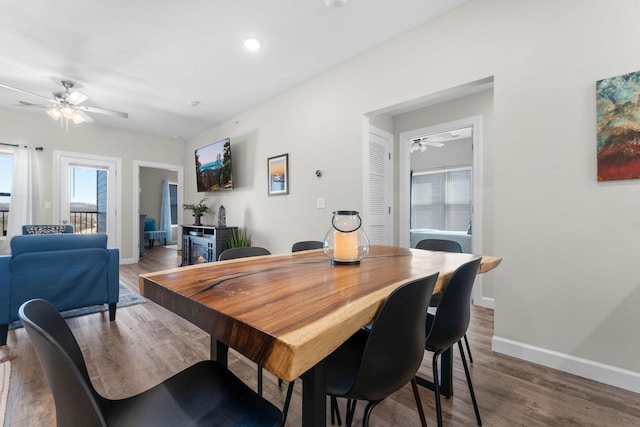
{"x": 288, "y": 312}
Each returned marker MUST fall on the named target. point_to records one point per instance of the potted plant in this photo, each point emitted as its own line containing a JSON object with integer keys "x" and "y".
{"x": 239, "y": 239}
{"x": 198, "y": 210}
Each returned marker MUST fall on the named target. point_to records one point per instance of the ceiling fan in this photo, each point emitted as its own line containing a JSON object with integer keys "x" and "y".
{"x": 67, "y": 104}
{"x": 438, "y": 139}
{"x": 422, "y": 144}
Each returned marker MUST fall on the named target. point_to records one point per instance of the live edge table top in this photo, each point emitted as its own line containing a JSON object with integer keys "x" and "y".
{"x": 288, "y": 312}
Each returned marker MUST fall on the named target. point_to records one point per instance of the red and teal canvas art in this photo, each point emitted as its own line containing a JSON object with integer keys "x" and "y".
{"x": 618, "y": 116}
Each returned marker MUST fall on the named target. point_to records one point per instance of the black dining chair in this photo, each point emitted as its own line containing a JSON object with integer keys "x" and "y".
{"x": 443, "y": 245}
{"x": 306, "y": 245}
{"x": 206, "y": 393}
{"x": 439, "y": 245}
{"x": 377, "y": 362}
{"x": 449, "y": 325}
{"x": 246, "y": 252}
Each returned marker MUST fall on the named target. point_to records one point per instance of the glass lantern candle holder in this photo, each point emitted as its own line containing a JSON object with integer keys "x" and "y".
{"x": 346, "y": 242}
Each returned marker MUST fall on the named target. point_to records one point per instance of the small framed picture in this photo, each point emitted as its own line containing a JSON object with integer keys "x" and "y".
{"x": 278, "y": 174}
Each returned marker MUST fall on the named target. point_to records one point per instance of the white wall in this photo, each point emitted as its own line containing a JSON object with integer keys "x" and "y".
{"x": 568, "y": 289}
{"x": 38, "y": 129}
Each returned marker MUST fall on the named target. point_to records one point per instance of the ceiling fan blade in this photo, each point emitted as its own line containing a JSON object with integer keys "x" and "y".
{"x": 102, "y": 111}
{"x": 433, "y": 144}
{"x": 29, "y": 104}
{"x": 29, "y": 93}
{"x": 76, "y": 98}
{"x": 87, "y": 118}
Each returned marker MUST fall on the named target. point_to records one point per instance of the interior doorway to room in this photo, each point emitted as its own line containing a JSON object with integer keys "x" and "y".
{"x": 450, "y": 203}
{"x": 148, "y": 188}
{"x": 441, "y": 199}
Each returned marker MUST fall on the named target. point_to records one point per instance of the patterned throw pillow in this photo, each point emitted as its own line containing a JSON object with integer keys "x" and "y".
{"x": 45, "y": 229}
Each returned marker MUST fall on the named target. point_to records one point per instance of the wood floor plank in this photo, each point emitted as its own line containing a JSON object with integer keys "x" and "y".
{"x": 147, "y": 344}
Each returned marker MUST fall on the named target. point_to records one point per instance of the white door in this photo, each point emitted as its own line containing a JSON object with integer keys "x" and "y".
{"x": 88, "y": 194}
{"x": 378, "y": 219}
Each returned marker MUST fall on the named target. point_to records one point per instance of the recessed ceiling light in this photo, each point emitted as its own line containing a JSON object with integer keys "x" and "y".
{"x": 334, "y": 4}
{"x": 252, "y": 43}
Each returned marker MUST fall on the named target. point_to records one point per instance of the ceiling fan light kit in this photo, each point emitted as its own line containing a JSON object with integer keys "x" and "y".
{"x": 54, "y": 113}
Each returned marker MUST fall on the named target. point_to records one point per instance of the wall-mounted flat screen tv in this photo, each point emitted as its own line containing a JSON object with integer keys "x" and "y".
{"x": 213, "y": 166}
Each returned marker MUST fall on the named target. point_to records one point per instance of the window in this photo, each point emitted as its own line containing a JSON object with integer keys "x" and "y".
{"x": 87, "y": 199}
{"x": 6, "y": 176}
{"x": 441, "y": 199}
{"x": 173, "y": 200}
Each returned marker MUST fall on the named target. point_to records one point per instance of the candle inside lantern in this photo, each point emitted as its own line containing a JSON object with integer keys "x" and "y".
{"x": 345, "y": 246}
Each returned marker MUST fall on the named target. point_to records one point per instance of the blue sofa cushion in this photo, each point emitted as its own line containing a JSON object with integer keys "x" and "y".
{"x": 150, "y": 224}
{"x": 56, "y": 242}
{"x": 72, "y": 278}
{"x": 68, "y": 270}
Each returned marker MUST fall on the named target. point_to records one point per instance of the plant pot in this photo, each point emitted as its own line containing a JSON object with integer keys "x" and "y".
{"x": 197, "y": 219}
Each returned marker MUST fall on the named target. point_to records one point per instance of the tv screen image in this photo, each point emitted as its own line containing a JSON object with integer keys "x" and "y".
{"x": 213, "y": 166}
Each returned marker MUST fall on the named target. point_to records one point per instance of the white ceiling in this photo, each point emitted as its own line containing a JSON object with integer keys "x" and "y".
{"x": 149, "y": 58}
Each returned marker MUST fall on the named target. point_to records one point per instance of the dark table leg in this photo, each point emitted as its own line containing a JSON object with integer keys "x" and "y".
{"x": 219, "y": 351}
{"x": 446, "y": 375}
{"x": 446, "y": 369}
{"x": 314, "y": 395}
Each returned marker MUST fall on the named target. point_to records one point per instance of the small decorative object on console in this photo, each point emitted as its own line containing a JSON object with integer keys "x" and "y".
{"x": 222, "y": 217}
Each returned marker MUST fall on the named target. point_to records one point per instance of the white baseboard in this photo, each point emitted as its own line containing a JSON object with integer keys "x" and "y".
{"x": 611, "y": 375}
{"x": 486, "y": 303}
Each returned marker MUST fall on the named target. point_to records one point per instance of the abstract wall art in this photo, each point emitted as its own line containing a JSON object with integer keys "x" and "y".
{"x": 618, "y": 127}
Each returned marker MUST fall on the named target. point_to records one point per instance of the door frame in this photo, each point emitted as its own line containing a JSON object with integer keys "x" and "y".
{"x": 113, "y": 164}
{"x": 475, "y": 122}
{"x": 135, "y": 215}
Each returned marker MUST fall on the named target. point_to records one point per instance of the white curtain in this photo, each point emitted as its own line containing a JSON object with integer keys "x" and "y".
{"x": 24, "y": 208}
{"x": 165, "y": 212}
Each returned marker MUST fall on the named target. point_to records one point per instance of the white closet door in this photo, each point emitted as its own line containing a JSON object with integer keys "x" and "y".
{"x": 378, "y": 219}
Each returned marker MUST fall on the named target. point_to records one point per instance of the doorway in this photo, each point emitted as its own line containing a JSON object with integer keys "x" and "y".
{"x": 404, "y": 178}
{"x": 140, "y": 168}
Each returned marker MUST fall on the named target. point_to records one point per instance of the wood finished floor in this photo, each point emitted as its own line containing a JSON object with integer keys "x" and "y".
{"x": 147, "y": 344}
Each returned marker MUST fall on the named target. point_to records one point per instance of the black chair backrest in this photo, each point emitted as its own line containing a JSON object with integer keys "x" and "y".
{"x": 306, "y": 245}
{"x": 439, "y": 245}
{"x": 452, "y": 318}
{"x": 247, "y": 251}
{"x": 395, "y": 345}
{"x": 77, "y": 403}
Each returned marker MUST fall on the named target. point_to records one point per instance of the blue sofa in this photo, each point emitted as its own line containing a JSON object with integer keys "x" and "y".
{"x": 68, "y": 270}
